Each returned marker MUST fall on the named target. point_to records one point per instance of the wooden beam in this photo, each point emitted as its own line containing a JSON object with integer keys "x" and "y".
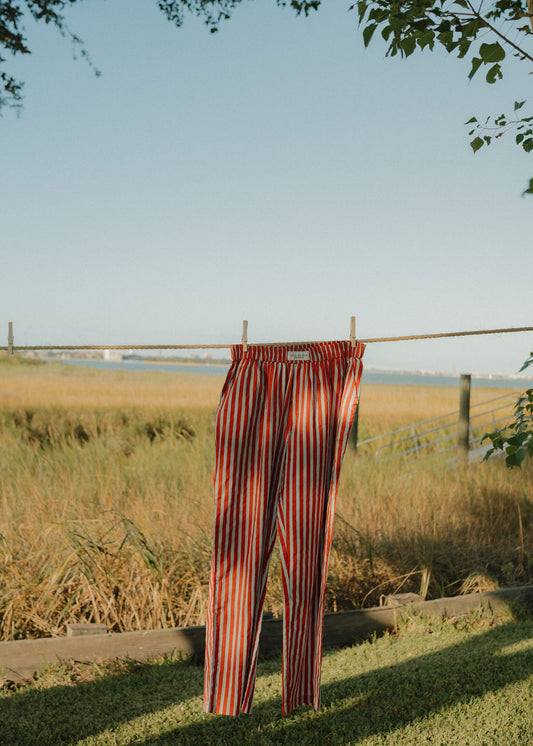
{"x": 20, "y": 659}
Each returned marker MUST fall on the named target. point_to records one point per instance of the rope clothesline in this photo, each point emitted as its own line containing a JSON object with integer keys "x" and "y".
{"x": 404, "y": 338}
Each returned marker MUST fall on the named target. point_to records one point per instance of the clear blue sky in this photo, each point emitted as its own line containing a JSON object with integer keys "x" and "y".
{"x": 275, "y": 171}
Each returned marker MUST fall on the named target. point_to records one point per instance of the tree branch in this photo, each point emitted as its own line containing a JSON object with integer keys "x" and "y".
{"x": 498, "y": 33}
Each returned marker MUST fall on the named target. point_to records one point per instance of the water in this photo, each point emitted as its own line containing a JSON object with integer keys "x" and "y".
{"x": 437, "y": 379}
{"x": 404, "y": 378}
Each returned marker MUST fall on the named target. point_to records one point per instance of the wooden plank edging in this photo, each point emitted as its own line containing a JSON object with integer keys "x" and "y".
{"x": 21, "y": 659}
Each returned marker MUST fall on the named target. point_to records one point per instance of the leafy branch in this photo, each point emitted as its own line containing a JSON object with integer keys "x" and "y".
{"x": 14, "y": 12}
{"x": 215, "y": 11}
{"x": 516, "y": 440}
{"x": 454, "y": 24}
{"x": 461, "y": 28}
{"x": 501, "y": 125}
{"x": 12, "y": 39}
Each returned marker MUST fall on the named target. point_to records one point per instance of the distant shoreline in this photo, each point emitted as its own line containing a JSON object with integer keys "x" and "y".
{"x": 219, "y": 363}
{"x": 444, "y": 374}
{"x": 370, "y": 375}
{"x": 176, "y": 360}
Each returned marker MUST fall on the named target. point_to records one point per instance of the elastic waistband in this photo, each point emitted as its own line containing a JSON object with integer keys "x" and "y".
{"x": 310, "y": 352}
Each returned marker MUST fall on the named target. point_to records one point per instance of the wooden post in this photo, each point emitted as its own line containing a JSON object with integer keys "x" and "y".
{"x": 463, "y": 428}
{"x": 415, "y": 441}
{"x": 10, "y": 337}
{"x": 355, "y": 428}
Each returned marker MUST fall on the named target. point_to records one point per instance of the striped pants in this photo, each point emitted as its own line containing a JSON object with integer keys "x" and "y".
{"x": 281, "y": 431}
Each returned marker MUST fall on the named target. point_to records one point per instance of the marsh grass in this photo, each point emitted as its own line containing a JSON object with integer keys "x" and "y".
{"x": 106, "y": 505}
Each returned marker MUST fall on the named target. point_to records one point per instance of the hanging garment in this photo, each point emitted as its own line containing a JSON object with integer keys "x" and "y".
{"x": 282, "y": 426}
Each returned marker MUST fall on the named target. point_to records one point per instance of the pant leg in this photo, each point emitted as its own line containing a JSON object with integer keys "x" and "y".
{"x": 324, "y": 397}
{"x": 250, "y": 433}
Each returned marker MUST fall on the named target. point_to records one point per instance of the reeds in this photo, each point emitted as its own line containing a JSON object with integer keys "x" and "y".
{"x": 106, "y": 505}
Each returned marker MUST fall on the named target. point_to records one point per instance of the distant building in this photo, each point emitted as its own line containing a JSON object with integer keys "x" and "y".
{"x": 112, "y": 356}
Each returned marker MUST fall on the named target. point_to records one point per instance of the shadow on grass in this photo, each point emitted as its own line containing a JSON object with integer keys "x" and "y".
{"x": 376, "y": 702}
{"x": 66, "y": 714}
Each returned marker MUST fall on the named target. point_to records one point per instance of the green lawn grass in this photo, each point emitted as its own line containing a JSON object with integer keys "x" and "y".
{"x": 431, "y": 683}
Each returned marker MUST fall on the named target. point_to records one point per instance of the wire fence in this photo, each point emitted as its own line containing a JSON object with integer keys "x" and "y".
{"x": 439, "y": 435}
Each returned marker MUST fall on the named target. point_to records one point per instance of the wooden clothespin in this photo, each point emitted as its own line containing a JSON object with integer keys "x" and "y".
{"x": 245, "y": 336}
{"x": 352, "y": 331}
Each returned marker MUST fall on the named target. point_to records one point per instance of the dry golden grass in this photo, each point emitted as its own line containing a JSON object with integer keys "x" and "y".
{"x": 57, "y": 385}
{"x": 434, "y": 529}
{"x": 68, "y": 386}
{"x": 106, "y": 504}
{"x": 384, "y": 408}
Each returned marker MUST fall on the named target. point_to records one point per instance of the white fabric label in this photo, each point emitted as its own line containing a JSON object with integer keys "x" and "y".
{"x": 298, "y": 355}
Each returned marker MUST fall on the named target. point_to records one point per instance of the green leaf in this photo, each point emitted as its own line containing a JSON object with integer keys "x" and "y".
{"x": 492, "y": 52}
{"x": 426, "y": 39}
{"x": 518, "y": 105}
{"x": 397, "y": 23}
{"x": 472, "y": 119}
{"x": 464, "y": 46}
{"x": 408, "y": 45}
{"x": 528, "y": 144}
{"x": 476, "y": 62}
{"x": 494, "y": 73}
{"x": 516, "y": 458}
{"x": 368, "y": 33}
{"x": 470, "y": 29}
{"x": 376, "y": 14}
{"x": 361, "y": 9}
{"x": 386, "y": 32}
{"x": 518, "y": 439}
{"x": 446, "y": 39}
{"x": 476, "y": 144}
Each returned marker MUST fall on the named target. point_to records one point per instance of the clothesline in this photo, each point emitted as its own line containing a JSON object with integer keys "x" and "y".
{"x": 404, "y": 338}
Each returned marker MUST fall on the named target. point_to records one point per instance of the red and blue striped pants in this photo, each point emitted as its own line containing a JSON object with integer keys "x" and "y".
{"x": 282, "y": 427}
